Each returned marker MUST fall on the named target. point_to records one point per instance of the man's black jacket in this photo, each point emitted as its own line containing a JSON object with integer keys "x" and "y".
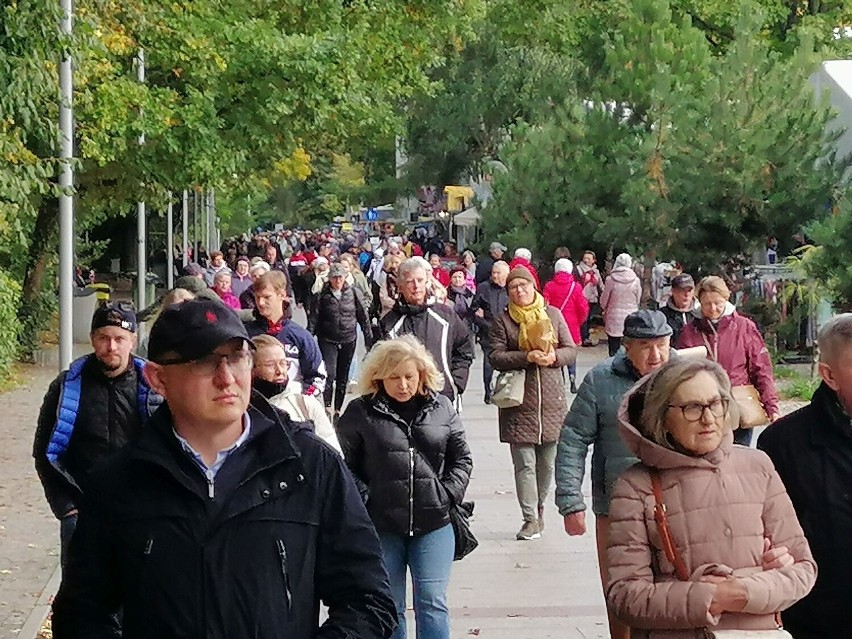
{"x": 336, "y": 320}
{"x": 285, "y": 530}
{"x": 492, "y": 299}
{"x": 812, "y": 451}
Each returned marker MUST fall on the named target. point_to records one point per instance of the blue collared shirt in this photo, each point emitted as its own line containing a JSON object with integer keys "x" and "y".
{"x": 210, "y": 471}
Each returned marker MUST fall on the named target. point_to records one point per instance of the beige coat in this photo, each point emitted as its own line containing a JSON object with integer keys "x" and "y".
{"x": 539, "y": 419}
{"x": 720, "y": 507}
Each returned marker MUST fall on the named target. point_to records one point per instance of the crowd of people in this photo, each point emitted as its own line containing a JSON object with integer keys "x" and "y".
{"x": 212, "y": 480}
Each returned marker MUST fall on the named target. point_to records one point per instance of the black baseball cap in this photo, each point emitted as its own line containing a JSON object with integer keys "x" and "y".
{"x": 646, "y": 325}
{"x": 118, "y": 314}
{"x": 193, "y": 329}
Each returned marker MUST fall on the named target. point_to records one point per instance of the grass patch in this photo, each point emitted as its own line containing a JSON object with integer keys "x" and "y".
{"x": 784, "y": 372}
{"x": 799, "y": 388}
{"x": 14, "y": 378}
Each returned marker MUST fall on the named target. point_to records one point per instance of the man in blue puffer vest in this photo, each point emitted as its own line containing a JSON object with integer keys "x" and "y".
{"x": 89, "y": 412}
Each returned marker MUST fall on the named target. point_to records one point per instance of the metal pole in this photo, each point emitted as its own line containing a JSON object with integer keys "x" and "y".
{"x": 170, "y": 246}
{"x": 216, "y": 237}
{"x": 66, "y": 202}
{"x": 141, "y": 266}
{"x": 207, "y": 221}
{"x": 185, "y": 215}
{"x": 195, "y": 225}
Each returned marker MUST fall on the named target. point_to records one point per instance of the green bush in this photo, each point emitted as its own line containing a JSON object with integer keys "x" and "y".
{"x": 10, "y": 295}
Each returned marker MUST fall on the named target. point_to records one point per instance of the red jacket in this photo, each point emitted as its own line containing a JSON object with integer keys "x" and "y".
{"x": 442, "y": 275}
{"x": 740, "y": 350}
{"x": 519, "y": 261}
{"x": 566, "y": 294}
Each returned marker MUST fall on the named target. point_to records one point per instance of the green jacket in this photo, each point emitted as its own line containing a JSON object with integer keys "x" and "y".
{"x": 593, "y": 420}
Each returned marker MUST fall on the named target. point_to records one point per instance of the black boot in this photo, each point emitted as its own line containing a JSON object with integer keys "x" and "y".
{"x": 573, "y": 385}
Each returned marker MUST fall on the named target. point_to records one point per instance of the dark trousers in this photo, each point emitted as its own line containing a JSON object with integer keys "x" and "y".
{"x": 487, "y": 369}
{"x": 337, "y": 358}
{"x": 743, "y": 436}
{"x": 67, "y": 526}
{"x": 614, "y": 344}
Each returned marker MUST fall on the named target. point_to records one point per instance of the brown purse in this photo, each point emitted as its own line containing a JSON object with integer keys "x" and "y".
{"x": 682, "y": 572}
{"x": 749, "y": 406}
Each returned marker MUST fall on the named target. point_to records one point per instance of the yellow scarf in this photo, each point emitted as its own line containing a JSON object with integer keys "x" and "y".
{"x": 530, "y": 315}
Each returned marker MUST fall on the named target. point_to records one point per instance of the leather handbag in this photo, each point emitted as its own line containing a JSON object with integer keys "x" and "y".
{"x": 509, "y": 389}
{"x": 466, "y": 543}
{"x": 682, "y": 573}
{"x": 752, "y": 413}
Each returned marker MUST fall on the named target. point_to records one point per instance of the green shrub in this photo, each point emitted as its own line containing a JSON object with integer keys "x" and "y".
{"x": 800, "y": 388}
{"x": 10, "y": 295}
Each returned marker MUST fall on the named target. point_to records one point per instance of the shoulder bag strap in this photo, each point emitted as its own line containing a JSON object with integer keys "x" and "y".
{"x": 663, "y": 528}
{"x": 713, "y": 352}
{"x": 567, "y": 297}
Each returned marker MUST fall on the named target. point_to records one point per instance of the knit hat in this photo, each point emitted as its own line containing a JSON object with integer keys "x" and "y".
{"x": 623, "y": 259}
{"x": 563, "y": 265}
{"x": 523, "y": 253}
{"x": 191, "y": 284}
{"x": 519, "y": 272}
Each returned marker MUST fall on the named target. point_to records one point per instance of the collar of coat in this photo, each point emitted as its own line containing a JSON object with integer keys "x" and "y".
{"x": 835, "y": 423}
{"x": 158, "y": 445}
{"x": 381, "y": 405}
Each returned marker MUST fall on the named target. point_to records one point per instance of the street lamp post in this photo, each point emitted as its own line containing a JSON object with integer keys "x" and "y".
{"x": 66, "y": 185}
{"x": 141, "y": 266}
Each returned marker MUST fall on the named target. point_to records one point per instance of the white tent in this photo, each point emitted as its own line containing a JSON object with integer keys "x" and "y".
{"x": 469, "y": 217}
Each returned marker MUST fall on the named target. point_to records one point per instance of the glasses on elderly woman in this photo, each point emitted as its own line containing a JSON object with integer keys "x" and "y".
{"x": 693, "y": 411}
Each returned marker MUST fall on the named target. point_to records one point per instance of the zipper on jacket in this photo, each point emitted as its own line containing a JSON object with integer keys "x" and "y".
{"x": 410, "y": 491}
{"x": 211, "y": 483}
{"x": 540, "y": 406}
{"x": 285, "y": 573}
{"x": 149, "y": 546}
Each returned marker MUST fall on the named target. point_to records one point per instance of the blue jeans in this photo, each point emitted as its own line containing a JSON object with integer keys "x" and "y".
{"x": 429, "y": 557}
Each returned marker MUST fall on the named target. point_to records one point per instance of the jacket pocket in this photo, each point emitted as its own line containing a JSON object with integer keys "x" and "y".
{"x": 285, "y": 575}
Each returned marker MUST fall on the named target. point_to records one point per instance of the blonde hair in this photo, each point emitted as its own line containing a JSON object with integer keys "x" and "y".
{"x": 712, "y": 284}
{"x": 663, "y": 383}
{"x": 264, "y": 341}
{"x": 385, "y": 359}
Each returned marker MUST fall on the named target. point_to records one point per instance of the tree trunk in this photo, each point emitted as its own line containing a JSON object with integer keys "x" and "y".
{"x": 647, "y": 272}
{"x": 42, "y": 245}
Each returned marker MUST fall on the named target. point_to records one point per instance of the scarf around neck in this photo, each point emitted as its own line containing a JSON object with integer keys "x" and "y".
{"x": 526, "y": 316}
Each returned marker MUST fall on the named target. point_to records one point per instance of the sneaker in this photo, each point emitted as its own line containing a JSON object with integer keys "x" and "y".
{"x": 528, "y": 531}
{"x": 541, "y": 518}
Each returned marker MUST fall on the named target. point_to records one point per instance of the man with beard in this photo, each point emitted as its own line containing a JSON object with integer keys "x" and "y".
{"x": 90, "y": 411}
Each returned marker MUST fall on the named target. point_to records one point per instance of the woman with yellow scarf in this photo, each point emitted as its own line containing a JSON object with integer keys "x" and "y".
{"x": 533, "y": 337}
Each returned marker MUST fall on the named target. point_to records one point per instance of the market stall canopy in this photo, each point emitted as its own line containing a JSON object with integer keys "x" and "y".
{"x": 457, "y": 197}
{"x": 470, "y": 217}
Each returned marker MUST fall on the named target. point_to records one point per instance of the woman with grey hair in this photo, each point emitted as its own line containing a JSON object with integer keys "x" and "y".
{"x": 703, "y": 536}
{"x": 621, "y": 296}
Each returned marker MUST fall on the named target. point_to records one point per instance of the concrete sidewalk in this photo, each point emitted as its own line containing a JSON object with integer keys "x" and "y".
{"x": 537, "y": 589}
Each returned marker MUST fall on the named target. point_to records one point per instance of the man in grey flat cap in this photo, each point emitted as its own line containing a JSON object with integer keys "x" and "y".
{"x": 486, "y": 262}
{"x": 593, "y": 420}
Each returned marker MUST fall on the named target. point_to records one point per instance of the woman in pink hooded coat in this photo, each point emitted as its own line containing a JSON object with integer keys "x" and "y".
{"x": 621, "y": 296}
{"x": 566, "y": 294}
{"x": 737, "y": 554}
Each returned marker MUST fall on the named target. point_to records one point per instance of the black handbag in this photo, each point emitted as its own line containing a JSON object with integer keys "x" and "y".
{"x": 460, "y": 515}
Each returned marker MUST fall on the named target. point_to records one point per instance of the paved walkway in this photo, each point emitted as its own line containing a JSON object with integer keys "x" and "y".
{"x": 520, "y": 589}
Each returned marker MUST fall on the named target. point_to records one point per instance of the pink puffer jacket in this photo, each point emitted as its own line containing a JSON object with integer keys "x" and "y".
{"x": 621, "y": 295}
{"x": 720, "y": 506}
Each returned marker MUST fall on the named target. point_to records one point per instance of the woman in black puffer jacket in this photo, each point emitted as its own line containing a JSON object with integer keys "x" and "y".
{"x": 406, "y": 443}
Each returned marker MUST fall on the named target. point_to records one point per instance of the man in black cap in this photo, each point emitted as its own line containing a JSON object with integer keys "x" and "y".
{"x": 224, "y": 518}
{"x": 593, "y": 420}
{"x": 681, "y": 304}
{"x": 89, "y": 412}
{"x": 486, "y": 262}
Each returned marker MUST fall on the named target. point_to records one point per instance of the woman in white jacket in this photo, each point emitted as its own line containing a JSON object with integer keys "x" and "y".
{"x": 269, "y": 378}
{"x": 621, "y": 296}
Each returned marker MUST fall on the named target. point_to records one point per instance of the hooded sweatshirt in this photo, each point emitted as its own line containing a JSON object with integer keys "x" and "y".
{"x": 720, "y": 506}
{"x": 621, "y": 296}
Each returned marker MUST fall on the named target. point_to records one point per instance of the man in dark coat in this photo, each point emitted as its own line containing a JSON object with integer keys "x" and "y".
{"x": 812, "y": 451}
{"x": 436, "y": 325}
{"x": 89, "y": 412}
{"x": 224, "y": 518}
{"x": 483, "y": 266}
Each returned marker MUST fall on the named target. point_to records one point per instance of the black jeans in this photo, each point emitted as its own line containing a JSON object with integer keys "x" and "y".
{"x": 337, "y": 358}
{"x": 67, "y": 526}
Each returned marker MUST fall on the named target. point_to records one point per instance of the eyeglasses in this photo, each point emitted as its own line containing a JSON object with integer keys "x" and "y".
{"x": 520, "y": 285}
{"x": 272, "y": 364}
{"x": 237, "y": 362}
{"x": 694, "y": 411}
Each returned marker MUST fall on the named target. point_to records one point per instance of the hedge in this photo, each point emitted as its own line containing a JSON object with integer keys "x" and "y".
{"x": 10, "y": 297}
